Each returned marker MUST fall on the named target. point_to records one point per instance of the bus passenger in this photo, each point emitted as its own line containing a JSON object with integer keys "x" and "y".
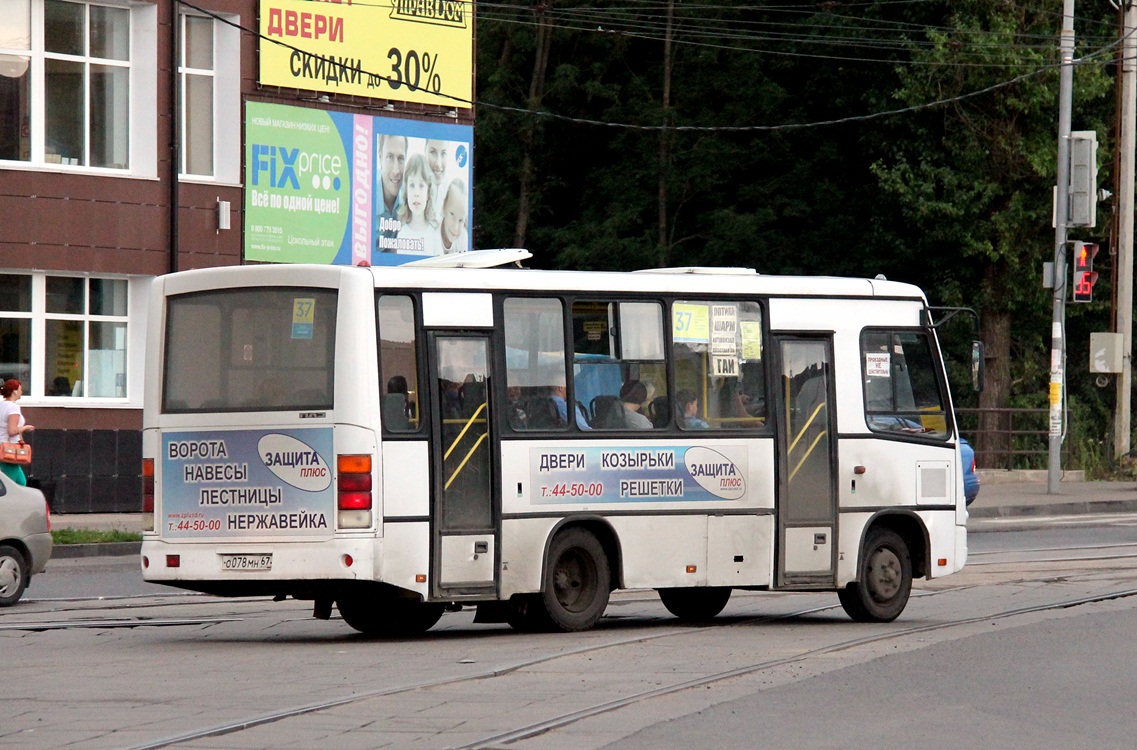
{"x": 559, "y": 396}
{"x": 687, "y": 410}
{"x": 633, "y": 395}
{"x": 518, "y": 419}
{"x": 397, "y": 408}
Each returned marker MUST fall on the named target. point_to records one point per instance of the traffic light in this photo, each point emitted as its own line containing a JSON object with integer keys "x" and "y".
{"x": 1083, "y": 179}
{"x": 1084, "y": 275}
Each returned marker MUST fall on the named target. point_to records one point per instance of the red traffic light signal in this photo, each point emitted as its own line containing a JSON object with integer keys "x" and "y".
{"x": 1084, "y": 275}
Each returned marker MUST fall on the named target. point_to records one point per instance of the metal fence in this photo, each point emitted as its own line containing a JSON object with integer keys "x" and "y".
{"x": 1007, "y": 438}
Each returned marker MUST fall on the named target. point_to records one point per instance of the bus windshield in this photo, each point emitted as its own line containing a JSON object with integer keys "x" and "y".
{"x": 265, "y": 349}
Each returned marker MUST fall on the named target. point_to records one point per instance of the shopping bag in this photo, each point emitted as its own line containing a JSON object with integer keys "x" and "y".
{"x": 16, "y": 453}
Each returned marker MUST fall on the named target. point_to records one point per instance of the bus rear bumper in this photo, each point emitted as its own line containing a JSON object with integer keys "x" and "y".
{"x": 261, "y": 568}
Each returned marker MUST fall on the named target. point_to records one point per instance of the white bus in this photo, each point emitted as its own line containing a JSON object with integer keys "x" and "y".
{"x": 399, "y": 441}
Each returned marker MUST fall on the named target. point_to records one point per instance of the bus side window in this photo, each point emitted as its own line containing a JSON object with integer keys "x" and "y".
{"x": 902, "y": 389}
{"x": 616, "y": 344}
{"x": 535, "y": 381}
{"x": 717, "y": 349}
{"x": 398, "y": 363}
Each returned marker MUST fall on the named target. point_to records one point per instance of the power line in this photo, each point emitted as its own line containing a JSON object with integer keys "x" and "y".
{"x": 1037, "y": 71}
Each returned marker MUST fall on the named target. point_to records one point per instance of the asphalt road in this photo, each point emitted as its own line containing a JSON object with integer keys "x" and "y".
{"x": 1032, "y": 645}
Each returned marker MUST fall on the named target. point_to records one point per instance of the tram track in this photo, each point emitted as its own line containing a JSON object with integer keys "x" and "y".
{"x": 61, "y": 607}
{"x": 496, "y": 741}
{"x": 186, "y": 610}
{"x": 533, "y": 729}
{"x": 1056, "y": 554}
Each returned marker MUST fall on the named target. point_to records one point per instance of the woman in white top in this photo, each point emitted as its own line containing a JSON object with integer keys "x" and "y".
{"x": 13, "y": 420}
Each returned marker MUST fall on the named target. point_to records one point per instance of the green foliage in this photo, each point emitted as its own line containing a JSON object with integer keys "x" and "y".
{"x": 91, "y": 536}
{"x": 955, "y": 198}
{"x": 1086, "y": 446}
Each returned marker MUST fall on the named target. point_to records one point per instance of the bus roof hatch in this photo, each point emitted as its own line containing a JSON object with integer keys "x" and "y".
{"x": 712, "y": 270}
{"x": 474, "y": 259}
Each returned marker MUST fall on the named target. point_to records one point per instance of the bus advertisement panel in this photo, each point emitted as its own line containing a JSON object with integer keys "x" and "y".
{"x": 604, "y": 474}
{"x": 248, "y": 483}
{"x": 353, "y": 189}
{"x": 403, "y": 51}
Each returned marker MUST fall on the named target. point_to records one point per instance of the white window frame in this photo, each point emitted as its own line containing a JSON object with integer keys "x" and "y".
{"x": 135, "y": 320}
{"x": 142, "y": 135}
{"x": 226, "y": 75}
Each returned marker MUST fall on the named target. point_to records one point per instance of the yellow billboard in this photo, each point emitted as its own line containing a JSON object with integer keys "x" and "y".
{"x": 418, "y": 51}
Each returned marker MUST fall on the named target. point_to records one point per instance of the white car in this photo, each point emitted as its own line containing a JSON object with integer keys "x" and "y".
{"x": 25, "y": 538}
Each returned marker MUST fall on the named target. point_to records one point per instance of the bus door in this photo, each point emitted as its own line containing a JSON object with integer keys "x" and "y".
{"x": 807, "y": 498}
{"x": 463, "y": 511}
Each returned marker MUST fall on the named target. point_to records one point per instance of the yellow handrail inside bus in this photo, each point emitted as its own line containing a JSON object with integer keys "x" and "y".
{"x": 805, "y": 427}
{"x": 786, "y": 393}
{"x": 812, "y": 445}
{"x": 462, "y": 434}
{"x": 465, "y": 460}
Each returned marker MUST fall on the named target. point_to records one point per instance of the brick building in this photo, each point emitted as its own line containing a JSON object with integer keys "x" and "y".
{"x": 112, "y": 113}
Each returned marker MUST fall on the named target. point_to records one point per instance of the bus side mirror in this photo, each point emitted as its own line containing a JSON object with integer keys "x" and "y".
{"x": 977, "y": 366}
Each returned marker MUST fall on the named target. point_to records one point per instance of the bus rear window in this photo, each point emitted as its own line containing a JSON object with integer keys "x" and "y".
{"x": 259, "y": 349}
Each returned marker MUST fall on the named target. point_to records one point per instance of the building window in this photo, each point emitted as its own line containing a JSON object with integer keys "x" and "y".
{"x": 196, "y": 80}
{"x": 82, "y": 350}
{"x": 15, "y": 79}
{"x": 15, "y": 327}
{"x": 72, "y": 90}
{"x": 86, "y": 84}
{"x": 209, "y": 98}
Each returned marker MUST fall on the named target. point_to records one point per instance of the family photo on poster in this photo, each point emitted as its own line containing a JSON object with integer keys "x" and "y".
{"x": 421, "y": 201}
{"x": 354, "y": 189}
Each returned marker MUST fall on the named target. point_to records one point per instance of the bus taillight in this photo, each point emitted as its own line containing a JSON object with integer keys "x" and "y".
{"x": 147, "y": 494}
{"x": 353, "y": 491}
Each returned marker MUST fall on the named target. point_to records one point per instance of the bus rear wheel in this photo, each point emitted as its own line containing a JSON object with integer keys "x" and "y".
{"x": 387, "y": 617}
{"x": 577, "y": 585}
{"x": 697, "y": 604}
{"x": 884, "y": 581}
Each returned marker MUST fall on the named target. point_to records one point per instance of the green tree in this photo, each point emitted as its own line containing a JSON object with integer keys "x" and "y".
{"x": 955, "y": 198}
{"x": 973, "y": 179}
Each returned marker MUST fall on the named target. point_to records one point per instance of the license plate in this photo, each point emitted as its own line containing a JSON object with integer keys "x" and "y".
{"x": 246, "y": 562}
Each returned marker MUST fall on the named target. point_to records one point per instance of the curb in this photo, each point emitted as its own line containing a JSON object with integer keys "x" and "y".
{"x": 109, "y": 549}
{"x": 1084, "y": 507}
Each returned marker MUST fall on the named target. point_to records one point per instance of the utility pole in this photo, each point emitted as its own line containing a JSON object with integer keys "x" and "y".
{"x": 1124, "y": 313}
{"x": 1062, "y": 218}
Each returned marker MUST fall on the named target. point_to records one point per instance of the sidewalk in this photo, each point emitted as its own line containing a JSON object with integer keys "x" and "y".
{"x": 1002, "y": 496}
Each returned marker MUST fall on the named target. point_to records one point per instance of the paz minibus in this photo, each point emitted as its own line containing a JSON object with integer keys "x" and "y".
{"x": 396, "y": 441}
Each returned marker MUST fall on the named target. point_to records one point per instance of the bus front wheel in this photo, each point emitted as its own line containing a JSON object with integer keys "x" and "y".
{"x": 884, "y": 581}
{"x": 697, "y": 604}
{"x": 577, "y": 584}
{"x": 387, "y": 617}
